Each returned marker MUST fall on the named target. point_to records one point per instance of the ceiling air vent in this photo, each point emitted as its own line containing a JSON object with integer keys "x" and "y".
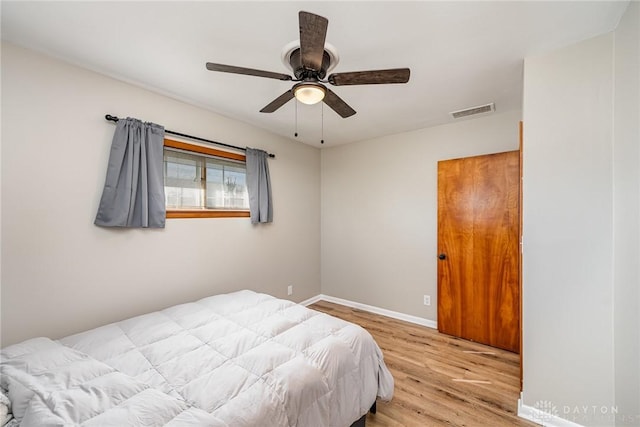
{"x": 474, "y": 110}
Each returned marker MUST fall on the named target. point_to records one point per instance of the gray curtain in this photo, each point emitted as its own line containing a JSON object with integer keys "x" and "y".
{"x": 133, "y": 194}
{"x": 259, "y": 186}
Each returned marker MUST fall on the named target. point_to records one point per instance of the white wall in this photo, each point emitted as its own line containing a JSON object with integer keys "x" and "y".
{"x": 61, "y": 274}
{"x": 379, "y": 210}
{"x": 582, "y": 228}
{"x": 568, "y": 230}
{"x": 626, "y": 220}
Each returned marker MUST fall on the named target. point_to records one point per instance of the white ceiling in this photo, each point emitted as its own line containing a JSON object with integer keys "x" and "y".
{"x": 461, "y": 54}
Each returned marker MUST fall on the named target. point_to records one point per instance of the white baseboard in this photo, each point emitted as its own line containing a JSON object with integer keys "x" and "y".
{"x": 543, "y": 418}
{"x": 311, "y": 300}
{"x": 373, "y": 309}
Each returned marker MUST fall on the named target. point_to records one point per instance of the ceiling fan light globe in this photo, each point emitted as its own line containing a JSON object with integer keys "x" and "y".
{"x": 309, "y": 93}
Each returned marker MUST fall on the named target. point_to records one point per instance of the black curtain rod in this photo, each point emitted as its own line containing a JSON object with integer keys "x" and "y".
{"x": 184, "y": 135}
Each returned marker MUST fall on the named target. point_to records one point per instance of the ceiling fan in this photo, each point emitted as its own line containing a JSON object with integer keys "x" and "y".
{"x": 309, "y": 64}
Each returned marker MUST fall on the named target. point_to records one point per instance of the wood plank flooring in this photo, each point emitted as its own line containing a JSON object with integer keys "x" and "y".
{"x": 439, "y": 380}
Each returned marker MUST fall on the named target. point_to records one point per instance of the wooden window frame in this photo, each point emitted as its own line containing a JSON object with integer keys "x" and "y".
{"x": 205, "y": 213}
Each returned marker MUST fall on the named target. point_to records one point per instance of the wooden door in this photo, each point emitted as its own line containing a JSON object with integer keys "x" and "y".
{"x": 478, "y": 247}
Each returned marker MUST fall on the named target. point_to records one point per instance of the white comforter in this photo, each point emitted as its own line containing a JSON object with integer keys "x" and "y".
{"x": 240, "y": 359}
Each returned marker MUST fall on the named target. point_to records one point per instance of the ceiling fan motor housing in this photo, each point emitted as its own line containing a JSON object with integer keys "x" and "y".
{"x": 303, "y": 73}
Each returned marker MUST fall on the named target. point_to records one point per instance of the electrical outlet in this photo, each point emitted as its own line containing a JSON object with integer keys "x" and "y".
{"x": 290, "y": 290}
{"x": 427, "y": 300}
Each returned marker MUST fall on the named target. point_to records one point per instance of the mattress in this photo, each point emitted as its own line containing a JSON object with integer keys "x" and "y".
{"x": 238, "y": 359}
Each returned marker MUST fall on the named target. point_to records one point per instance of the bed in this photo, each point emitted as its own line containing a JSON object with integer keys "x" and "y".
{"x": 234, "y": 360}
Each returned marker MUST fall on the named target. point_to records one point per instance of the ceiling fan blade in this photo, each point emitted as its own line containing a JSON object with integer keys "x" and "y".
{"x": 373, "y": 77}
{"x": 313, "y": 32}
{"x": 246, "y": 71}
{"x": 338, "y": 105}
{"x": 278, "y": 102}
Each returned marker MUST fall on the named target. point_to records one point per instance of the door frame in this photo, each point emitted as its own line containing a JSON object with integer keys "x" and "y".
{"x": 520, "y": 236}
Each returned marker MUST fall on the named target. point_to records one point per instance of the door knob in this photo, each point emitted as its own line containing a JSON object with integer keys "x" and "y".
{"x": 442, "y": 256}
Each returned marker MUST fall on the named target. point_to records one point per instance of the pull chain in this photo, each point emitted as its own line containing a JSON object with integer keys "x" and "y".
{"x": 322, "y": 124}
{"x": 296, "y": 113}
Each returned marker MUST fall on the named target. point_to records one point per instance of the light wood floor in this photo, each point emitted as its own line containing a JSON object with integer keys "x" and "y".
{"x": 439, "y": 380}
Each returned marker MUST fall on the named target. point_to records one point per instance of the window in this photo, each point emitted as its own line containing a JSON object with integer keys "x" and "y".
{"x": 201, "y": 182}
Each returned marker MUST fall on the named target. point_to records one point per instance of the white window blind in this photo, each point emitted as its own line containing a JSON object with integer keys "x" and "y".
{"x": 199, "y": 181}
